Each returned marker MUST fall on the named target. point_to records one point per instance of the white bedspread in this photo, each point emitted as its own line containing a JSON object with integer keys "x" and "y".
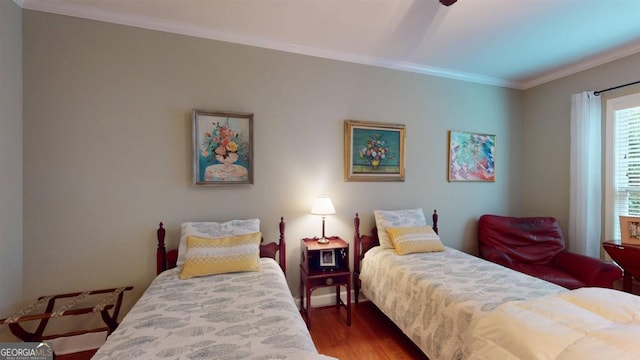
{"x": 249, "y": 315}
{"x": 587, "y": 323}
{"x": 434, "y": 297}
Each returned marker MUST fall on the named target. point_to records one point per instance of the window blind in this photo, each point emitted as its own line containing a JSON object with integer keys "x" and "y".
{"x": 626, "y": 163}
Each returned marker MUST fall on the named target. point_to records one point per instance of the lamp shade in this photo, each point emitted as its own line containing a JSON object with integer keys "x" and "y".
{"x": 323, "y": 206}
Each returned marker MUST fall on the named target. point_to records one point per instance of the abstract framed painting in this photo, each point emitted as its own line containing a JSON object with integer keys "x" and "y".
{"x": 223, "y": 148}
{"x": 471, "y": 156}
{"x": 373, "y": 151}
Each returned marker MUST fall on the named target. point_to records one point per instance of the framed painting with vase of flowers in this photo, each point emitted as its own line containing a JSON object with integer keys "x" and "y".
{"x": 373, "y": 151}
{"x": 223, "y": 148}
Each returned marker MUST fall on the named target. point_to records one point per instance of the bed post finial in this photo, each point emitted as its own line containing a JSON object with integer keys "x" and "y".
{"x": 356, "y": 256}
{"x": 282, "y": 251}
{"x": 356, "y": 233}
{"x": 161, "y": 253}
{"x": 160, "y": 234}
{"x": 434, "y": 217}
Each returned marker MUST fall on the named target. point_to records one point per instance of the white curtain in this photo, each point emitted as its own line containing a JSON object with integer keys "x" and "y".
{"x": 585, "y": 219}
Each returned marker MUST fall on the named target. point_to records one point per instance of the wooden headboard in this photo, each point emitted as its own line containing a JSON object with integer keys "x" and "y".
{"x": 364, "y": 243}
{"x": 167, "y": 259}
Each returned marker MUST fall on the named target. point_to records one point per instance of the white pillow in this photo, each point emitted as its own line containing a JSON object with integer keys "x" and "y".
{"x": 214, "y": 230}
{"x": 396, "y": 218}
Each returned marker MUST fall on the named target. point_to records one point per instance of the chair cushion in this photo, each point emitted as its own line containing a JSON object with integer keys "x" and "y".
{"x": 535, "y": 246}
{"x": 533, "y": 240}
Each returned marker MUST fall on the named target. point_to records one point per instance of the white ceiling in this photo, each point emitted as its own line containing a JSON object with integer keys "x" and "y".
{"x": 512, "y": 43}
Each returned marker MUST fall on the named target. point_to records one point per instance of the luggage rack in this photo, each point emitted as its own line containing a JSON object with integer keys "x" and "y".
{"x": 112, "y": 301}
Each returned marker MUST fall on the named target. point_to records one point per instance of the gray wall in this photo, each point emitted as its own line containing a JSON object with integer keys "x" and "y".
{"x": 107, "y": 147}
{"x": 547, "y": 137}
{"x": 10, "y": 159}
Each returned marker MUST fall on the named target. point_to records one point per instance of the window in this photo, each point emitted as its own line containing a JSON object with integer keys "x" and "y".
{"x": 622, "y": 181}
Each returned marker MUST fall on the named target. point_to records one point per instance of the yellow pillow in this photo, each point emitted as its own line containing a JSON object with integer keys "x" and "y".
{"x": 208, "y": 256}
{"x": 409, "y": 240}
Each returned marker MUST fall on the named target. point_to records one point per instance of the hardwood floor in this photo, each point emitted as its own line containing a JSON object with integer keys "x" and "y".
{"x": 85, "y": 355}
{"x": 371, "y": 336}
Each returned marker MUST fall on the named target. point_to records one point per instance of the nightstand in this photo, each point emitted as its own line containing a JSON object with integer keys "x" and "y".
{"x": 324, "y": 265}
{"x": 627, "y": 256}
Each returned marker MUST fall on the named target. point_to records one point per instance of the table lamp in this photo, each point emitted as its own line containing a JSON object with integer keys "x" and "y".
{"x": 323, "y": 206}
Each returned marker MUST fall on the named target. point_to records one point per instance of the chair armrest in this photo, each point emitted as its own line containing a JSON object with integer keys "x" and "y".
{"x": 591, "y": 271}
{"x": 498, "y": 258}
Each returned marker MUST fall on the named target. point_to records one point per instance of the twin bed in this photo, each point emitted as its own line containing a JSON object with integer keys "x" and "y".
{"x": 456, "y": 306}
{"x": 451, "y": 304}
{"x": 227, "y": 315}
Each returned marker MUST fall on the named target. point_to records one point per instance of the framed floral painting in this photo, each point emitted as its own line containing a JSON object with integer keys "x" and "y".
{"x": 373, "y": 151}
{"x": 471, "y": 156}
{"x": 223, "y": 148}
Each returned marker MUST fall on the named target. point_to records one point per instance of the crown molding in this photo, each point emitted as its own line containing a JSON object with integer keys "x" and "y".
{"x": 584, "y": 65}
{"x": 385, "y": 63}
{"x": 87, "y": 12}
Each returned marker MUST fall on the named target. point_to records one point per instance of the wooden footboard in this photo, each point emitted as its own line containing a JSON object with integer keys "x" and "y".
{"x": 364, "y": 243}
{"x": 167, "y": 259}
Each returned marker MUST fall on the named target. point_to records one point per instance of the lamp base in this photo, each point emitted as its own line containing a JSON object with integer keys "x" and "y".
{"x": 323, "y": 240}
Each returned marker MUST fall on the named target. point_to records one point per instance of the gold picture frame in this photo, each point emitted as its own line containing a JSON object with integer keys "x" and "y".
{"x": 373, "y": 151}
{"x": 630, "y": 229}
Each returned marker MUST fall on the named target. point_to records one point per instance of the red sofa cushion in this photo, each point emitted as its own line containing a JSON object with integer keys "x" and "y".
{"x": 515, "y": 236}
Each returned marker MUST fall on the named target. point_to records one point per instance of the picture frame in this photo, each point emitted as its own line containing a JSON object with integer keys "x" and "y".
{"x": 374, "y": 151}
{"x": 327, "y": 258}
{"x": 222, "y": 148}
{"x": 471, "y": 157}
{"x": 630, "y": 229}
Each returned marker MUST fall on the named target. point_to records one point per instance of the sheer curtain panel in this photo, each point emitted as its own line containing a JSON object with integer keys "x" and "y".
{"x": 585, "y": 220}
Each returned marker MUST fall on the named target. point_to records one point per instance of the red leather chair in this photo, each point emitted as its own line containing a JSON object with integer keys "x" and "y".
{"x": 535, "y": 246}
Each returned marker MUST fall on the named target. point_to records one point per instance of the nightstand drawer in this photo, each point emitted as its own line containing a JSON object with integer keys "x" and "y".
{"x": 329, "y": 280}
